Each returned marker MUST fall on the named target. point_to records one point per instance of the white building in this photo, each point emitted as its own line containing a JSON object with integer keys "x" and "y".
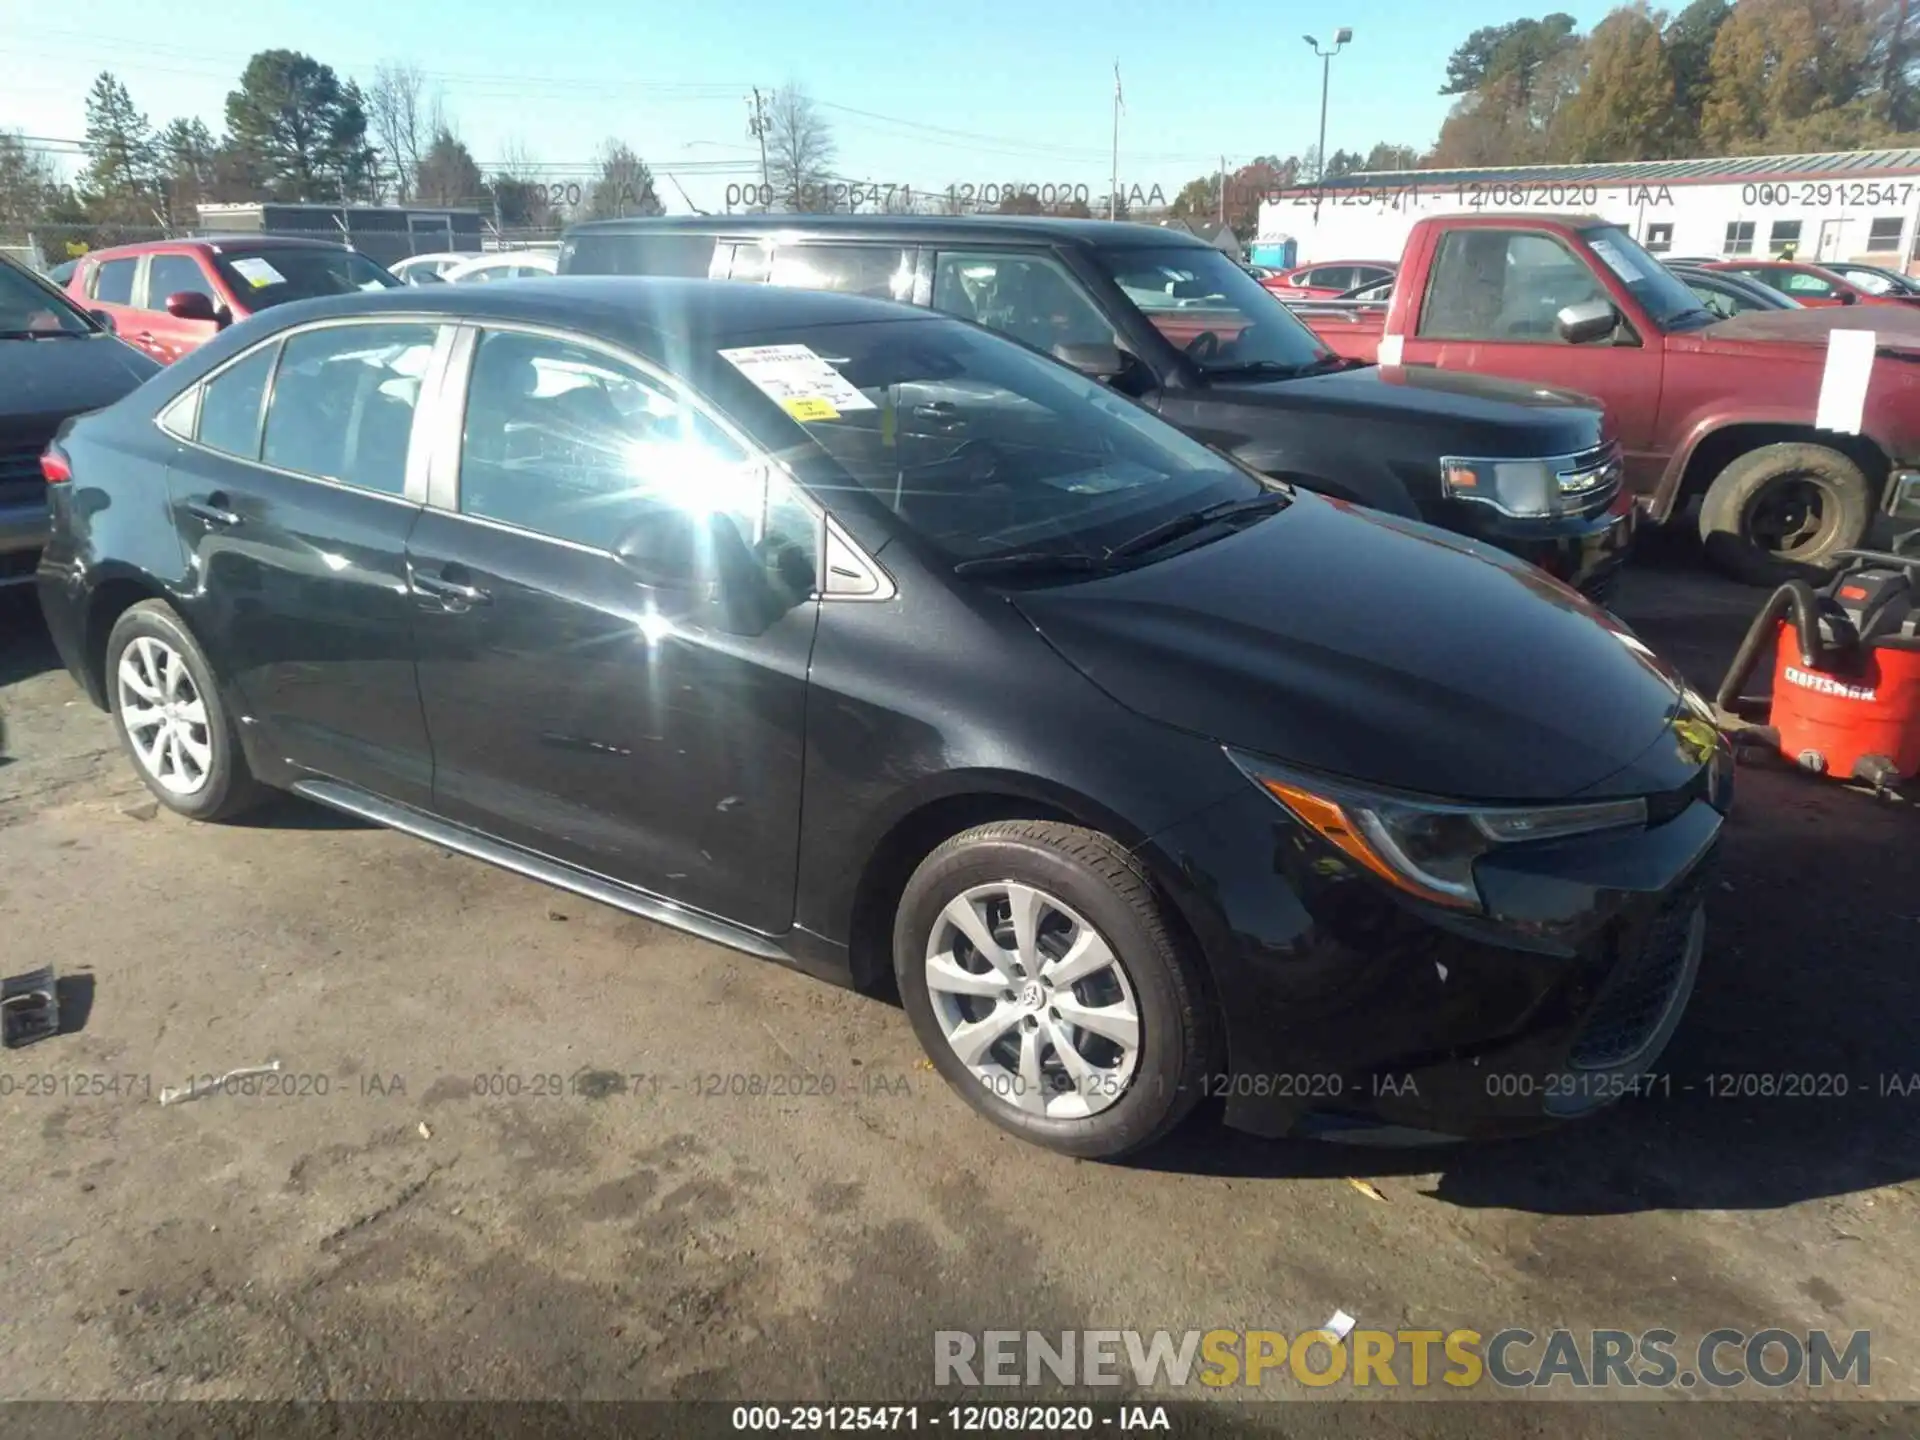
{"x": 1860, "y": 206}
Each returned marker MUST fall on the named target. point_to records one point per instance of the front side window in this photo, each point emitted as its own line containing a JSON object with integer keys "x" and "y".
{"x": 983, "y": 448}
{"x": 273, "y": 275}
{"x": 567, "y": 441}
{"x": 172, "y": 274}
{"x": 1504, "y": 285}
{"x": 343, "y": 403}
{"x": 1207, "y": 306}
{"x": 879, "y": 271}
{"x": 1020, "y": 293}
{"x": 1802, "y": 283}
{"x": 113, "y": 282}
{"x": 230, "y": 405}
{"x": 27, "y": 306}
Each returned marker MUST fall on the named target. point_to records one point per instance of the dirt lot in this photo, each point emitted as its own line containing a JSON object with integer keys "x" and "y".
{"x": 385, "y": 1231}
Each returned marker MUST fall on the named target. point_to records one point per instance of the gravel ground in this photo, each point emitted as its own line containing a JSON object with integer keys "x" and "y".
{"x": 380, "y": 1230}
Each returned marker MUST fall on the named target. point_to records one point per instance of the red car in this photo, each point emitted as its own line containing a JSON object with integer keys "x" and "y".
{"x": 1329, "y": 278}
{"x": 1811, "y": 284}
{"x": 166, "y": 297}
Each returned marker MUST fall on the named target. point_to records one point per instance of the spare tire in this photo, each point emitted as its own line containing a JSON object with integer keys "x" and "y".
{"x": 1782, "y": 512}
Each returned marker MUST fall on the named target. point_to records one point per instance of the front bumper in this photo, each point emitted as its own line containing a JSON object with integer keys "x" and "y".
{"x": 1585, "y": 551}
{"x": 23, "y": 531}
{"x": 1351, "y": 1011}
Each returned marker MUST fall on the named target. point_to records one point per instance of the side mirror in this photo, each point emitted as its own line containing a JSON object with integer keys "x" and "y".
{"x": 191, "y": 305}
{"x": 105, "y": 321}
{"x": 1587, "y": 322}
{"x": 1847, "y": 297}
{"x": 1097, "y": 360}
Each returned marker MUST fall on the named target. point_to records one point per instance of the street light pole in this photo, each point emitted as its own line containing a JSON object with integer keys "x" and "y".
{"x": 1340, "y": 38}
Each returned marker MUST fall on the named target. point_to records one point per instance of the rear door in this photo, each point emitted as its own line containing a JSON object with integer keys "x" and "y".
{"x": 111, "y": 286}
{"x": 294, "y": 489}
{"x": 611, "y": 717}
{"x": 1491, "y": 307}
{"x": 172, "y": 273}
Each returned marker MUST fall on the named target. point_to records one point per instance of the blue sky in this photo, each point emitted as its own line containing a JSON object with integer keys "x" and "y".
{"x": 990, "y": 91}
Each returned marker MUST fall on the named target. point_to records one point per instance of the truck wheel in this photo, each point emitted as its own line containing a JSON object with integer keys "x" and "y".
{"x": 1781, "y": 512}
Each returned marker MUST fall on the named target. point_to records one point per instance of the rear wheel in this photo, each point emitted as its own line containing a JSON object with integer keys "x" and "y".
{"x": 1783, "y": 511}
{"x": 170, "y": 717}
{"x": 1040, "y": 974}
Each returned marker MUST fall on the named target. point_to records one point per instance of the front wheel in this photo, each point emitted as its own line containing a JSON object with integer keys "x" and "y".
{"x": 1043, "y": 980}
{"x": 1783, "y": 511}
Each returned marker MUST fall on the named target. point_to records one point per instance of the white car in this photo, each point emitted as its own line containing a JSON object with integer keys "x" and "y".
{"x": 504, "y": 265}
{"x": 425, "y": 269}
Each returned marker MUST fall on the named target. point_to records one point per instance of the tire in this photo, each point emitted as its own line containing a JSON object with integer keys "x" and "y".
{"x": 204, "y": 774}
{"x": 1743, "y": 512}
{"x": 1115, "y": 1102}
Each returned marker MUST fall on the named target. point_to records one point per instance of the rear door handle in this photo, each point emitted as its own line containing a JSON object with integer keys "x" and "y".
{"x": 449, "y": 590}
{"x": 214, "y": 510}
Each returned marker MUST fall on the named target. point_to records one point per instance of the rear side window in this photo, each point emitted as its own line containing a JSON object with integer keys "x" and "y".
{"x": 343, "y": 403}
{"x": 629, "y": 253}
{"x": 881, "y": 272}
{"x": 113, "y": 282}
{"x": 230, "y": 405}
{"x": 1801, "y": 282}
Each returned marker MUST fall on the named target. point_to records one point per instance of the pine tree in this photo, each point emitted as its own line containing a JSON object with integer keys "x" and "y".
{"x": 118, "y": 182}
{"x": 1624, "y": 108}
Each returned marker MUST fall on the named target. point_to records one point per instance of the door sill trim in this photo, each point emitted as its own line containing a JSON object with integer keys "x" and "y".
{"x": 422, "y": 826}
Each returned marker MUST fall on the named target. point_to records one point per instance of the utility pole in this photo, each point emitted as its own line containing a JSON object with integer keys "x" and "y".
{"x": 1223, "y": 189}
{"x": 1340, "y": 38}
{"x": 1113, "y": 182}
{"x": 757, "y": 127}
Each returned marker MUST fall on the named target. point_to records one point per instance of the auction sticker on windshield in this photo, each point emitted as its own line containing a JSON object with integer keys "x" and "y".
{"x": 257, "y": 272}
{"x": 804, "y": 384}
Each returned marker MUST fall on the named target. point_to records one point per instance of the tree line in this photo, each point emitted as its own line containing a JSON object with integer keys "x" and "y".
{"x": 296, "y": 131}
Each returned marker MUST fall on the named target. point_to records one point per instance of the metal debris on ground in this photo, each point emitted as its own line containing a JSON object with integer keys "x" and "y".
{"x": 1366, "y": 1188}
{"x": 1341, "y": 1325}
{"x": 29, "y": 1008}
{"x": 194, "y": 1090}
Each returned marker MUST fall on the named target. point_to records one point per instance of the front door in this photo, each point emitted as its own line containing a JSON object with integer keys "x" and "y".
{"x": 298, "y": 530}
{"x": 590, "y": 696}
{"x": 111, "y": 286}
{"x": 1491, "y": 307}
{"x": 167, "y": 336}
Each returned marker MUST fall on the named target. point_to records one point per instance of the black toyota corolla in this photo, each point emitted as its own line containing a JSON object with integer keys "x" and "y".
{"x": 860, "y": 638}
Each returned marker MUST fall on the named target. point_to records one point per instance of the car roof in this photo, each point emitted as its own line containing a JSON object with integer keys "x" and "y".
{"x": 656, "y": 315}
{"x": 923, "y": 229}
{"x": 214, "y": 244}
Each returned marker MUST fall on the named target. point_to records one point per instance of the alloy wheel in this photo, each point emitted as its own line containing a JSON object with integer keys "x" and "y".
{"x": 165, "y": 716}
{"x": 1033, "y": 1000}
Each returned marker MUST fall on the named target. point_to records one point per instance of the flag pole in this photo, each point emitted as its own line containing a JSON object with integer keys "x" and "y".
{"x": 1113, "y": 181}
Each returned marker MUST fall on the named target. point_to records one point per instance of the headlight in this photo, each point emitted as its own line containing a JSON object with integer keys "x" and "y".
{"x": 1567, "y": 484}
{"x": 1426, "y": 847}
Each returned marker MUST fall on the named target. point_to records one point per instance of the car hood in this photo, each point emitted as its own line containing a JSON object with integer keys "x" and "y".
{"x": 1898, "y": 326}
{"x": 1381, "y": 650}
{"x": 44, "y": 381}
{"x": 1496, "y": 417}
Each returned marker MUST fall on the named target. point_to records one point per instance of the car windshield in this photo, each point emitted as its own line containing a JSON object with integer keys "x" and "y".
{"x": 980, "y": 446}
{"x": 29, "y": 307}
{"x": 1661, "y": 293}
{"x": 1217, "y": 313}
{"x": 273, "y": 276}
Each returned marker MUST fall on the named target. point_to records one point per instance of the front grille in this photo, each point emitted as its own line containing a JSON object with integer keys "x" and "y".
{"x": 21, "y": 482}
{"x": 1641, "y": 991}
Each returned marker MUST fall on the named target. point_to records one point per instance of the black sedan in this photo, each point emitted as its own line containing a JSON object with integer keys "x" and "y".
{"x": 863, "y": 639}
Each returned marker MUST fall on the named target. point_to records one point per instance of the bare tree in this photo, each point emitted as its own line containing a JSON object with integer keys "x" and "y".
{"x": 27, "y": 184}
{"x": 625, "y": 186}
{"x": 800, "y": 150}
{"x": 405, "y": 118}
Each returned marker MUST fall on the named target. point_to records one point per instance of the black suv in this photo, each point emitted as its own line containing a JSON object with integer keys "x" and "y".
{"x": 1175, "y": 323}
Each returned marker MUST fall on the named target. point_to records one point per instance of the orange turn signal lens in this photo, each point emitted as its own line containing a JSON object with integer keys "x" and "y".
{"x": 1331, "y": 823}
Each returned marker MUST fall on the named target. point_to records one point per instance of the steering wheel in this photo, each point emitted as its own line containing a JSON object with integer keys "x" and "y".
{"x": 1203, "y": 346}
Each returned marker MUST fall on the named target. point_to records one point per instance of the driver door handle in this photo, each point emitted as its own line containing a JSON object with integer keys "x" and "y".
{"x": 449, "y": 592}
{"x": 214, "y": 511}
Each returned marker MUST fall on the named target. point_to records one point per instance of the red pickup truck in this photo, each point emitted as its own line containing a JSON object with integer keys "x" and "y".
{"x": 1798, "y": 437}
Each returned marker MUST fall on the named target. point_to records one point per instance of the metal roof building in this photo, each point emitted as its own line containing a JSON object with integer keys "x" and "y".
{"x": 1853, "y": 205}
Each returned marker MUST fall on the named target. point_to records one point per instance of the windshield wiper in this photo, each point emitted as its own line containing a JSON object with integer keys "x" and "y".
{"x": 1323, "y": 365}
{"x": 42, "y": 335}
{"x": 1179, "y": 525}
{"x": 1022, "y": 562}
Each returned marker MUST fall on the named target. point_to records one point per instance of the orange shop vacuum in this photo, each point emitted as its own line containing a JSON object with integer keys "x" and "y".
{"x": 1846, "y": 671}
